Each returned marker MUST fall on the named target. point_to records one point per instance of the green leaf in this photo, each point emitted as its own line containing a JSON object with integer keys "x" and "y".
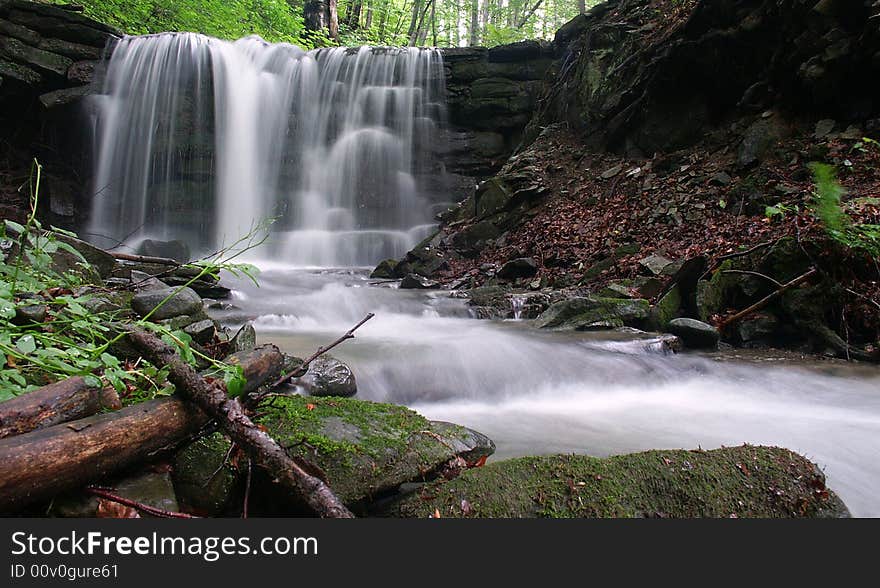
{"x": 26, "y": 344}
{"x": 17, "y": 228}
{"x": 235, "y": 381}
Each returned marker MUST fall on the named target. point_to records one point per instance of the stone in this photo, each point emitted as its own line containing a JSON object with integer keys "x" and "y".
{"x": 65, "y": 96}
{"x": 35, "y": 58}
{"x": 666, "y": 309}
{"x": 99, "y": 260}
{"x": 81, "y": 72}
{"x": 659, "y": 483}
{"x": 24, "y": 34}
{"x": 759, "y": 326}
{"x": 611, "y": 172}
{"x": 19, "y": 72}
{"x": 70, "y": 49}
{"x": 618, "y": 289}
{"x": 31, "y": 313}
{"x": 694, "y": 334}
{"x": 182, "y": 302}
{"x": 205, "y": 480}
{"x": 417, "y": 282}
{"x": 655, "y": 264}
{"x": 244, "y": 340}
{"x": 588, "y": 313}
{"x": 149, "y": 488}
{"x": 175, "y": 249}
{"x": 824, "y": 128}
{"x": 365, "y": 448}
{"x": 514, "y": 52}
{"x": 327, "y": 376}
{"x": 758, "y": 141}
{"x": 471, "y": 240}
{"x": 202, "y": 331}
{"x": 385, "y": 270}
{"x": 523, "y": 267}
{"x": 721, "y": 179}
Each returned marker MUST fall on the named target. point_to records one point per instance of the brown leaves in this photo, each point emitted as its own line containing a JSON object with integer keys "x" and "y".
{"x": 107, "y": 509}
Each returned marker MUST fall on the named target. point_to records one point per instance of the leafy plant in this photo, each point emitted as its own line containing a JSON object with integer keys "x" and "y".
{"x": 780, "y": 209}
{"x": 827, "y": 207}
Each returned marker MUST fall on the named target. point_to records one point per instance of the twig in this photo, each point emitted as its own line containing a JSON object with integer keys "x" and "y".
{"x": 301, "y": 371}
{"x": 863, "y": 297}
{"x": 247, "y": 492}
{"x": 723, "y": 258}
{"x": 145, "y": 259}
{"x": 768, "y": 299}
{"x": 150, "y": 510}
{"x": 222, "y": 465}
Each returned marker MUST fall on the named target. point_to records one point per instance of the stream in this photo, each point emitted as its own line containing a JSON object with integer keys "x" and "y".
{"x": 537, "y": 392}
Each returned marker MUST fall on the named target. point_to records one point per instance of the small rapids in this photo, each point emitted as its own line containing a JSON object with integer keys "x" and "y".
{"x": 536, "y": 392}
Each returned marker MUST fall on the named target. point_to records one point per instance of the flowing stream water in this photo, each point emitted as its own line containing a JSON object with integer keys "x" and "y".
{"x": 197, "y": 139}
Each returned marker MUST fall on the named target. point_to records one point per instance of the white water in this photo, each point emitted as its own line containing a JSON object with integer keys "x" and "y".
{"x": 201, "y": 139}
{"x": 534, "y": 392}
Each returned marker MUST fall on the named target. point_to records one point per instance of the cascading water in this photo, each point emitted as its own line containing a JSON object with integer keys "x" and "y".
{"x": 201, "y": 139}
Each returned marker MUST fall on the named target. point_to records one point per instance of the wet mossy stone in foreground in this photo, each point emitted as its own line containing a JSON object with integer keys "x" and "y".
{"x": 747, "y": 481}
{"x": 364, "y": 449}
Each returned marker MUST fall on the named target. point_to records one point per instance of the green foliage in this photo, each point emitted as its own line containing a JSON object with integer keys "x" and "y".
{"x": 780, "y": 209}
{"x": 73, "y": 340}
{"x": 827, "y": 207}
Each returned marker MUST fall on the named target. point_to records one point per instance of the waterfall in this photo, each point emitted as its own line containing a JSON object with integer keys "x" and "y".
{"x": 200, "y": 139}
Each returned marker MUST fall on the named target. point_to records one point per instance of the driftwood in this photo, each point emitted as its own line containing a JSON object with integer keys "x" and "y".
{"x": 212, "y": 398}
{"x": 64, "y": 401}
{"x": 145, "y": 259}
{"x": 768, "y": 299}
{"x": 40, "y": 464}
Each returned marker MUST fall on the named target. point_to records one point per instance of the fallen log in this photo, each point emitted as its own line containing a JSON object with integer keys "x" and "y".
{"x": 40, "y": 464}
{"x": 767, "y": 299}
{"x": 145, "y": 259}
{"x": 67, "y": 400}
{"x": 262, "y": 449}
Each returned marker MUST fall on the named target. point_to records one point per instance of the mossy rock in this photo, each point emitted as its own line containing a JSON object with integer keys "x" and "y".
{"x": 745, "y": 481}
{"x": 587, "y": 313}
{"x": 666, "y": 309}
{"x": 367, "y": 448}
{"x": 205, "y": 480}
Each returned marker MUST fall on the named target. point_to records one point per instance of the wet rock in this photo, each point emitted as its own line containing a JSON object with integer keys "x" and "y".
{"x": 175, "y": 249}
{"x": 100, "y": 261}
{"x": 385, "y": 270}
{"x": 655, "y": 264}
{"x": 524, "y": 267}
{"x": 618, "y": 289}
{"x": 472, "y": 240}
{"x": 205, "y": 477}
{"x": 694, "y": 334}
{"x": 666, "y": 309}
{"x": 244, "y": 340}
{"x": 417, "y": 282}
{"x": 151, "y": 488}
{"x": 670, "y": 483}
{"x": 32, "y": 313}
{"x": 81, "y": 72}
{"x": 260, "y": 365}
{"x": 586, "y": 313}
{"x": 366, "y": 448}
{"x": 35, "y": 58}
{"x": 202, "y": 331}
{"x": 64, "y": 96}
{"x": 760, "y": 326}
{"x": 182, "y": 302}
{"x": 327, "y": 376}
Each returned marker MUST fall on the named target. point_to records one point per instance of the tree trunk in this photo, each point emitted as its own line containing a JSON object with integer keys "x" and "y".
{"x": 321, "y": 15}
{"x": 353, "y": 14}
{"x": 582, "y": 6}
{"x": 40, "y": 464}
{"x": 57, "y": 403}
{"x": 475, "y": 23}
{"x": 262, "y": 449}
{"x": 414, "y": 22}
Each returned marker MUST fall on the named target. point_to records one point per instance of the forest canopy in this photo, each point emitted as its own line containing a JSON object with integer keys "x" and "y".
{"x": 314, "y": 23}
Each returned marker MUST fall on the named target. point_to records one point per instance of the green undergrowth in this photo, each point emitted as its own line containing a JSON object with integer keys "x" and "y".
{"x": 745, "y": 481}
{"x": 53, "y": 322}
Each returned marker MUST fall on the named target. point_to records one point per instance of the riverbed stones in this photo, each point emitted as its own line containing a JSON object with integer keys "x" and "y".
{"x": 365, "y": 448}
{"x": 694, "y": 334}
{"x": 417, "y": 282}
{"x": 181, "y": 302}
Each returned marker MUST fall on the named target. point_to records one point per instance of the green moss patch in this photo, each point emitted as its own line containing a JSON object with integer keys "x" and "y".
{"x": 745, "y": 481}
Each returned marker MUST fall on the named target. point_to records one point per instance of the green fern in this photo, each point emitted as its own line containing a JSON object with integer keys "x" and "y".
{"x": 827, "y": 207}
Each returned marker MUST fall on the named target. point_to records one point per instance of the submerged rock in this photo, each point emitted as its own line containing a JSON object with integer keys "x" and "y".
{"x": 745, "y": 481}
{"x": 366, "y": 448}
{"x": 694, "y": 334}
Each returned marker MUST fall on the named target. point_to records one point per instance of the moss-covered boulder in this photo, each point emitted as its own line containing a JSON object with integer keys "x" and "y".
{"x": 364, "y": 449}
{"x": 745, "y": 481}
{"x": 205, "y": 475}
{"x": 588, "y": 313}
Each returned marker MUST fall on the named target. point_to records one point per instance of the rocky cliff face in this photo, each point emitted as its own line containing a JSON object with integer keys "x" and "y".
{"x": 49, "y": 57}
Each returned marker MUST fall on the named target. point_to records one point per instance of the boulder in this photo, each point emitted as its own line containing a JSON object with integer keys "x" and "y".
{"x": 327, "y": 376}
{"x": 100, "y": 261}
{"x": 385, "y": 270}
{"x": 37, "y": 59}
{"x": 587, "y": 313}
{"x": 31, "y": 313}
{"x": 656, "y": 264}
{"x": 365, "y": 448}
{"x": 759, "y": 326}
{"x": 182, "y": 301}
{"x": 205, "y": 477}
{"x": 742, "y": 482}
{"x": 417, "y": 282}
{"x": 694, "y": 334}
{"x": 175, "y": 249}
{"x": 523, "y": 267}
{"x": 202, "y": 331}
{"x": 244, "y": 340}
